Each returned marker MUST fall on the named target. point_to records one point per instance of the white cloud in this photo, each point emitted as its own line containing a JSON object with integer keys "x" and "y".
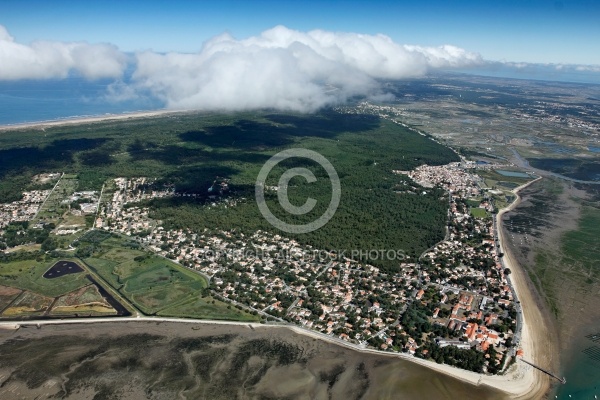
{"x": 4, "y": 35}
{"x": 44, "y": 60}
{"x": 280, "y": 68}
{"x": 287, "y": 69}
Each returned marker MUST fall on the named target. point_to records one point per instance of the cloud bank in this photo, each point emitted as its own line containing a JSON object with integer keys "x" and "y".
{"x": 287, "y": 69}
{"x": 280, "y": 68}
{"x": 46, "y": 60}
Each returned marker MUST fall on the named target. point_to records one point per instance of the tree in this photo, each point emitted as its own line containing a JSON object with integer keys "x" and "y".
{"x": 49, "y": 244}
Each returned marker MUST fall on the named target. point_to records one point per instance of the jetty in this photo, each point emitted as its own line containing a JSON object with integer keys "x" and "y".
{"x": 562, "y": 380}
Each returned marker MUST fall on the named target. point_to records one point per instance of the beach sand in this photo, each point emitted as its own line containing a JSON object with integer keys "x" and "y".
{"x": 88, "y": 120}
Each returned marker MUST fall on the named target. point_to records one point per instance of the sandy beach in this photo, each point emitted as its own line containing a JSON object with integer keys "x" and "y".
{"x": 534, "y": 341}
{"x": 88, "y": 120}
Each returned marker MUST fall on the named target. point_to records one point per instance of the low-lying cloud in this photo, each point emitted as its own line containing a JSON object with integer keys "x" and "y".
{"x": 287, "y": 69}
{"x": 280, "y": 68}
{"x": 47, "y": 60}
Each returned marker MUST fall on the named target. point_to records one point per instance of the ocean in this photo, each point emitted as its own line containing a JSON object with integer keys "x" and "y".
{"x": 582, "y": 366}
{"x": 46, "y": 100}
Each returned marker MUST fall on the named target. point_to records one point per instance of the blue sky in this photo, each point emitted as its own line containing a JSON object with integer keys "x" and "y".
{"x": 503, "y": 30}
{"x": 298, "y": 55}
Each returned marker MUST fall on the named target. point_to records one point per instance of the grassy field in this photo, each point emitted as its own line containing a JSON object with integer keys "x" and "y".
{"x": 479, "y": 212}
{"x": 209, "y": 308}
{"x": 53, "y": 210}
{"x": 473, "y": 202}
{"x": 495, "y": 180}
{"x": 155, "y": 285}
{"x": 27, "y": 275}
{"x": 151, "y": 283}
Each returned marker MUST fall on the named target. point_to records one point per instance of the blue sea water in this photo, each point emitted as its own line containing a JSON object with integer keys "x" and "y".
{"x": 582, "y": 366}
{"x": 44, "y": 100}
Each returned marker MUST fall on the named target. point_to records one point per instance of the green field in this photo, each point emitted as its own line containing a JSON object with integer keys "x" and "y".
{"x": 479, "y": 212}
{"x": 53, "y": 210}
{"x": 155, "y": 285}
{"x": 208, "y": 308}
{"x": 28, "y": 275}
{"x": 473, "y": 202}
{"x": 498, "y": 181}
{"x": 152, "y": 284}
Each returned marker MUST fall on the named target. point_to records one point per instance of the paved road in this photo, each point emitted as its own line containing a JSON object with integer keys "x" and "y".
{"x": 16, "y": 324}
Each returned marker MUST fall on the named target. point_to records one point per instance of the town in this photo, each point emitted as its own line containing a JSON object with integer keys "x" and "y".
{"x": 456, "y": 295}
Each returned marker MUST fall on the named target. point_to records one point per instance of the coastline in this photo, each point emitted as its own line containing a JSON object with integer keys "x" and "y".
{"x": 521, "y": 381}
{"x": 534, "y": 341}
{"x": 89, "y": 119}
{"x": 494, "y": 382}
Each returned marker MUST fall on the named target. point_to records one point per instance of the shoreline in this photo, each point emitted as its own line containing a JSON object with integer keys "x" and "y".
{"x": 470, "y": 377}
{"x": 89, "y": 119}
{"x": 517, "y": 384}
{"x": 533, "y": 339}
{"x": 520, "y": 381}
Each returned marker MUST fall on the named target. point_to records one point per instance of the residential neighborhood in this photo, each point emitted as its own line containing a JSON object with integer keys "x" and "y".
{"x": 456, "y": 294}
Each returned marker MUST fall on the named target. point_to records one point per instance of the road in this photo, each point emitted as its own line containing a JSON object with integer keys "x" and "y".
{"x": 46, "y": 199}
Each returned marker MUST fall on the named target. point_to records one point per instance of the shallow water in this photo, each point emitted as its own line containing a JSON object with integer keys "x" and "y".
{"x": 34, "y": 101}
{"x": 582, "y": 366}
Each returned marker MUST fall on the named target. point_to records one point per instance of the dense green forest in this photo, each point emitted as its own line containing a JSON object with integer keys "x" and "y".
{"x": 378, "y": 209}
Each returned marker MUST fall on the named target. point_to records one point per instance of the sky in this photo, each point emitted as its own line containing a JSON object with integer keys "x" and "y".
{"x": 317, "y": 52}
{"x": 502, "y": 30}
